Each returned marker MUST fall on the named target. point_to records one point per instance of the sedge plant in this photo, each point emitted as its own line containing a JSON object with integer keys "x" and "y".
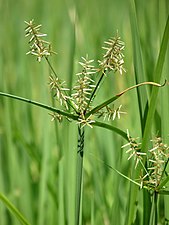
{"x": 153, "y": 168}
{"x": 77, "y": 105}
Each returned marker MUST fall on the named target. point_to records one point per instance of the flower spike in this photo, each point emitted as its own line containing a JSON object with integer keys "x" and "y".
{"x": 38, "y": 47}
{"x": 113, "y": 59}
{"x": 84, "y": 86}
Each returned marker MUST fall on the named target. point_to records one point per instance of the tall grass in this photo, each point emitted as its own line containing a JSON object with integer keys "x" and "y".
{"x": 37, "y": 156}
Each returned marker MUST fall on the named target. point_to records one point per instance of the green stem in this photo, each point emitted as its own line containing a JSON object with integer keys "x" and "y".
{"x": 153, "y": 214}
{"x": 51, "y": 67}
{"x": 155, "y": 208}
{"x": 14, "y": 210}
{"x": 79, "y": 170}
{"x": 95, "y": 89}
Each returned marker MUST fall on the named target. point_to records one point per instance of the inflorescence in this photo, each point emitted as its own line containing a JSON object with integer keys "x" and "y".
{"x": 84, "y": 92}
{"x": 85, "y": 88}
{"x": 113, "y": 59}
{"x": 38, "y": 46}
{"x": 156, "y": 161}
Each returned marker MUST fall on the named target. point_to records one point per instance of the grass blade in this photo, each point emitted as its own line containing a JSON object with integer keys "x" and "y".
{"x": 50, "y": 108}
{"x": 14, "y": 210}
{"x": 157, "y": 78}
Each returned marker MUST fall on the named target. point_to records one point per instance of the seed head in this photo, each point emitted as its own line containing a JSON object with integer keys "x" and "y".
{"x": 113, "y": 59}
{"x": 38, "y": 46}
{"x": 84, "y": 86}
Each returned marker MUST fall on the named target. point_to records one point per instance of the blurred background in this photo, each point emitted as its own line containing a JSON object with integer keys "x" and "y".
{"x": 37, "y": 156}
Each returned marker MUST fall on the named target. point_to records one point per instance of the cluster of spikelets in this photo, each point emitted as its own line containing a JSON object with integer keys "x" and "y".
{"x": 84, "y": 90}
{"x": 156, "y": 159}
{"x": 38, "y": 46}
{"x": 84, "y": 85}
{"x": 113, "y": 59}
{"x": 83, "y": 93}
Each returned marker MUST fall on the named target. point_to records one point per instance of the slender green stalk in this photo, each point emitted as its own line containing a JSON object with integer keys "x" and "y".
{"x": 154, "y": 211}
{"x": 14, "y": 210}
{"x": 151, "y": 221}
{"x": 51, "y": 67}
{"x": 95, "y": 89}
{"x": 155, "y": 208}
{"x": 79, "y": 174}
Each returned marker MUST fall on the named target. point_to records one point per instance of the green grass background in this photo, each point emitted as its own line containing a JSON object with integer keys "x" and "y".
{"x": 37, "y": 156}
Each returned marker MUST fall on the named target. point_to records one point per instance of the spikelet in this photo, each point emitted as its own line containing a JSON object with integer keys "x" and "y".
{"x": 38, "y": 46}
{"x": 113, "y": 59}
{"x": 84, "y": 86}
